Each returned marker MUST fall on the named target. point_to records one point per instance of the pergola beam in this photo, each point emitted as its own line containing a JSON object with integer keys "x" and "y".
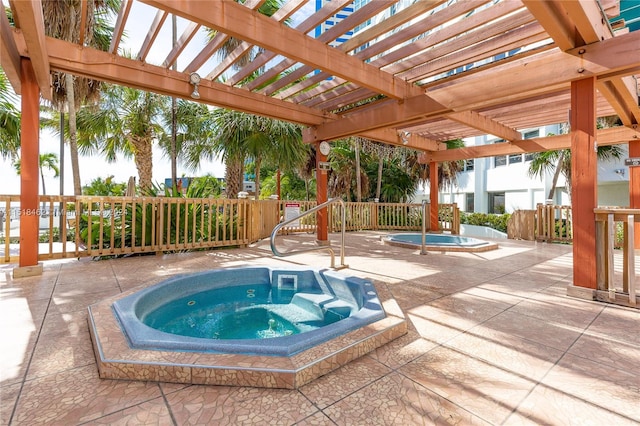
{"x": 546, "y": 72}
{"x": 9, "y": 56}
{"x": 32, "y": 25}
{"x": 239, "y": 21}
{"x": 485, "y": 124}
{"x": 93, "y": 63}
{"x": 610, "y": 136}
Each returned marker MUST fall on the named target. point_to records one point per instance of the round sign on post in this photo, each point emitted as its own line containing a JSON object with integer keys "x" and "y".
{"x": 325, "y": 148}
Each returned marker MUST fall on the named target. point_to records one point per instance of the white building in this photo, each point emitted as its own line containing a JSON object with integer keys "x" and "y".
{"x": 502, "y": 183}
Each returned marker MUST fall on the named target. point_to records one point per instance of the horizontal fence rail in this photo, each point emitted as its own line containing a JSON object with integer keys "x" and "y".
{"x": 78, "y": 226}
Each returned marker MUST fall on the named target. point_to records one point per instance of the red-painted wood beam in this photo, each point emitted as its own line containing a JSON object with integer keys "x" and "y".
{"x": 584, "y": 181}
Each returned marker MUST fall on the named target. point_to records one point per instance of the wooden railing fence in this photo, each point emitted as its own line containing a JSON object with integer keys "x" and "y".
{"x": 109, "y": 226}
{"x": 616, "y": 275}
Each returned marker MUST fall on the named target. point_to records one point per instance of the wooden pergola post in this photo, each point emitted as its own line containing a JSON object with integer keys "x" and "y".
{"x": 584, "y": 181}
{"x": 433, "y": 197}
{"x": 634, "y": 187}
{"x": 322, "y": 217}
{"x": 29, "y": 172}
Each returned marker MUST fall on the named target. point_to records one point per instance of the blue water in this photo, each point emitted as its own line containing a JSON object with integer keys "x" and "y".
{"x": 437, "y": 240}
{"x": 239, "y": 312}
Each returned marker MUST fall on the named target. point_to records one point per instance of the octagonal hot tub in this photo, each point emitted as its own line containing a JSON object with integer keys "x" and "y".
{"x": 254, "y": 326}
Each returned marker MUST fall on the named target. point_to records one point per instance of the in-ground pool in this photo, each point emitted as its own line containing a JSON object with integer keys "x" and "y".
{"x": 297, "y": 325}
{"x": 259, "y": 310}
{"x": 440, "y": 242}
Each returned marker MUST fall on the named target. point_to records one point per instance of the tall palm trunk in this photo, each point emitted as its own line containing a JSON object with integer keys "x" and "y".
{"x": 233, "y": 177}
{"x": 258, "y": 162}
{"x": 73, "y": 135}
{"x": 556, "y": 174}
{"x": 144, "y": 161}
{"x": 358, "y": 177}
{"x": 379, "y": 183}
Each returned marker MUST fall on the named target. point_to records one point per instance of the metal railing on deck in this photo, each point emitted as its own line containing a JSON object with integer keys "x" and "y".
{"x": 326, "y": 204}
{"x": 615, "y": 227}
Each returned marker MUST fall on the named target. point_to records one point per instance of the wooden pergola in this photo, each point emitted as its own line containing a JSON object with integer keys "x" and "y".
{"x": 434, "y": 71}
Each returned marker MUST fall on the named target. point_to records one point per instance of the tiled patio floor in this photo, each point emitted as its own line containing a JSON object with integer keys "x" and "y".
{"x": 493, "y": 340}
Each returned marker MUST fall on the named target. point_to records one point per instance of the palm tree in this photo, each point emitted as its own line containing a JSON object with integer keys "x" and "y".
{"x": 559, "y": 161}
{"x": 46, "y": 160}
{"x": 344, "y": 169}
{"x": 194, "y": 133}
{"x": 62, "y": 20}
{"x": 9, "y": 120}
{"x": 126, "y": 122}
{"x": 447, "y": 170}
{"x": 241, "y": 136}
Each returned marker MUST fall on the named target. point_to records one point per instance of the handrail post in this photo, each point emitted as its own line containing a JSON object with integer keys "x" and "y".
{"x": 277, "y": 228}
{"x": 423, "y": 248}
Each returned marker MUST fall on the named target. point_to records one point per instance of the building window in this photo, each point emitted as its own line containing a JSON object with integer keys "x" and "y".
{"x": 530, "y": 135}
{"x": 515, "y": 158}
{"x": 496, "y": 202}
{"x": 469, "y": 205}
{"x": 499, "y": 160}
{"x": 469, "y": 165}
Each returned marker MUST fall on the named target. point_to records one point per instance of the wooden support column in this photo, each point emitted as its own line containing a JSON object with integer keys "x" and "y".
{"x": 433, "y": 197}
{"x": 322, "y": 217}
{"x": 29, "y": 172}
{"x": 584, "y": 181}
{"x": 634, "y": 187}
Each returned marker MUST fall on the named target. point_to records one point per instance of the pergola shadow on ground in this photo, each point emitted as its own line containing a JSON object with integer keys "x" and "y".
{"x": 416, "y": 78}
{"x": 493, "y": 339}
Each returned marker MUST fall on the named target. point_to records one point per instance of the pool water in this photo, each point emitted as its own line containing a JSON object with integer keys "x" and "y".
{"x": 241, "y": 312}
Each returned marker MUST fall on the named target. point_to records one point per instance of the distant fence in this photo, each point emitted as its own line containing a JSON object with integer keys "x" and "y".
{"x": 109, "y": 226}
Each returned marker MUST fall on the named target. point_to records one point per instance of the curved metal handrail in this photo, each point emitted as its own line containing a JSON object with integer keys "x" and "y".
{"x": 279, "y": 226}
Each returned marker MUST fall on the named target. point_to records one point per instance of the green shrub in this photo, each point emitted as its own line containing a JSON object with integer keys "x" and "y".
{"x": 495, "y": 221}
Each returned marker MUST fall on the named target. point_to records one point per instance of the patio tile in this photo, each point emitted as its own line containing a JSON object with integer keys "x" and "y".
{"x": 618, "y": 323}
{"x": 398, "y": 400}
{"x": 600, "y": 385}
{"x": 8, "y": 398}
{"x": 20, "y": 322}
{"x": 548, "y": 406}
{"x": 317, "y": 419}
{"x": 560, "y": 309}
{"x": 402, "y": 350}
{"x": 603, "y": 349}
{"x": 76, "y": 300}
{"x": 408, "y": 294}
{"x": 493, "y": 340}
{"x": 334, "y": 386}
{"x": 78, "y": 395}
{"x": 509, "y": 325}
{"x": 485, "y": 390}
{"x": 222, "y": 405}
{"x": 64, "y": 344}
{"x": 519, "y": 356}
{"x": 154, "y": 412}
{"x": 460, "y": 311}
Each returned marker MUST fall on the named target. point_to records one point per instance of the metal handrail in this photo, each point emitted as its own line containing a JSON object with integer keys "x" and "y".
{"x": 277, "y": 228}
{"x": 423, "y": 248}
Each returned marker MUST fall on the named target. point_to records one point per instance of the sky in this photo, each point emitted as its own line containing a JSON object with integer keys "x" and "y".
{"x": 93, "y": 166}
